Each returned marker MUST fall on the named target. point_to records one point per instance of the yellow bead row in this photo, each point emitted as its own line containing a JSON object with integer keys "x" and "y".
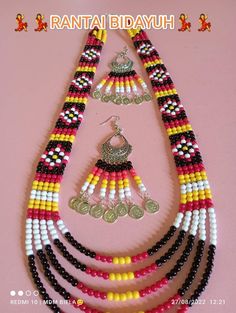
{"x": 62, "y": 137}
{"x": 178, "y": 129}
{"x": 86, "y": 69}
{"x": 165, "y": 93}
{"x": 46, "y": 186}
{"x": 121, "y": 276}
{"x": 121, "y": 186}
{"x": 95, "y": 180}
{"x": 89, "y": 178}
{"x": 122, "y": 260}
{"x": 133, "y": 31}
{"x": 153, "y": 63}
{"x": 138, "y": 180}
{"x": 129, "y": 295}
{"x": 104, "y": 183}
{"x": 193, "y": 177}
{"x": 76, "y": 100}
{"x": 112, "y": 184}
{"x": 100, "y": 34}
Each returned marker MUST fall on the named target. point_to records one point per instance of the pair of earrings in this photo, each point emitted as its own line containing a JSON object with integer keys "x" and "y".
{"x": 21, "y": 25}
{"x": 122, "y": 85}
{"x": 114, "y": 170}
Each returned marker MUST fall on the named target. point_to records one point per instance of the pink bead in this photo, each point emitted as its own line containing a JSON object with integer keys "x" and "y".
{"x": 142, "y": 293}
{"x": 134, "y": 259}
{"x": 96, "y": 294}
{"x": 105, "y": 275}
{"x": 91, "y": 292}
{"x": 154, "y": 267}
{"x": 103, "y": 259}
{"x": 103, "y": 295}
{"x": 88, "y": 270}
{"x": 137, "y": 274}
{"x": 84, "y": 289}
{"x": 109, "y": 259}
{"x": 80, "y": 285}
{"x": 94, "y": 273}
{"x": 98, "y": 257}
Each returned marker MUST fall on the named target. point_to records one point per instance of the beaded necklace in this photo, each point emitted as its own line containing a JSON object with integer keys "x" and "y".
{"x": 43, "y": 223}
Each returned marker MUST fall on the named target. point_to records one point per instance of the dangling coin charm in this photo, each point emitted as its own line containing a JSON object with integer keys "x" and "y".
{"x": 73, "y": 202}
{"x": 151, "y": 206}
{"x": 147, "y": 97}
{"x": 121, "y": 209}
{"x": 83, "y": 207}
{"x": 105, "y": 98}
{"x": 97, "y": 94}
{"x": 110, "y": 216}
{"x": 97, "y": 210}
{"x": 136, "y": 212}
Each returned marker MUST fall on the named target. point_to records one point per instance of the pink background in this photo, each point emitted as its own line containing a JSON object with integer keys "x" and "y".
{"x": 36, "y": 69}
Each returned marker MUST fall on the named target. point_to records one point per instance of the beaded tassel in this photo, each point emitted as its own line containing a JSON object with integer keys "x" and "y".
{"x": 114, "y": 172}
{"x": 122, "y": 84}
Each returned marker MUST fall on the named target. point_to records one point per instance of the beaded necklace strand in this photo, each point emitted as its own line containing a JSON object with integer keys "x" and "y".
{"x": 43, "y": 220}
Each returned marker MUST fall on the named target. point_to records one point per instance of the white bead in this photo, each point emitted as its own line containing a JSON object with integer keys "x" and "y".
{"x": 55, "y": 236}
{"x": 44, "y": 237}
{"x": 28, "y": 221}
{"x": 65, "y": 230}
{"x": 53, "y": 231}
{"x": 35, "y": 221}
{"x": 202, "y": 237}
{"x": 43, "y": 227}
{"x": 121, "y": 196}
{"x": 28, "y": 236}
{"x": 35, "y": 231}
{"x": 37, "y": 236}
{"x": 60, "y": 222}
{"x": 44, "y": 232}
{"x": 51, "y": 227}
{"x": 28, "y": 247}
{"x": 28, "y": 241}
{"x": 38, "y": 247}
{"x": 29, "y": 252}
{"x": 46, "y": 242}
{"x": 42, "y": 222}
{"x": 28, "y": 231}
{"x": 49, "y": 222}
{"x": 28, "y": 226}
{"x": 203, "y": 210}
{"x": 37, "y": 242}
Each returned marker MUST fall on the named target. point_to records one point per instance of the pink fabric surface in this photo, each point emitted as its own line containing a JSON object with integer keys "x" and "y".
{"x": 36, "y": 69}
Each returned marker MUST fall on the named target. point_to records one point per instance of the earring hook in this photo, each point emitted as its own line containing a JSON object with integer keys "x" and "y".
{"x": 116, "y": 126}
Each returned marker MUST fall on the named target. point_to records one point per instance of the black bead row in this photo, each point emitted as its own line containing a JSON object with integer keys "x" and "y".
{"x": 175, "y": 246}
{"x": 193, "y": 270}
{"x": 78, "y": 246}
{"x": 182, "y": 259}
{"x": 205, "y": 277}
{"x": 157, "y": 246}
{"x": 114, "y": 167}
{"x": 59, "y": 268}
{"x": 68, "y": 256}
{"x": 39, "y": 285}
{"x": 129, "y": 74}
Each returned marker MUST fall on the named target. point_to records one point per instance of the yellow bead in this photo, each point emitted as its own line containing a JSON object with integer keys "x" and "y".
{"x": 136, "y": 294}
{"x": 123, "y": 297}
{"x": 127, "y": 260}
{"x": 131, "y": 275}
{"x": 112, "y": 276}
{"x": 129, "y": 295}
{"x": 116, "y": 297}
{"x": 124, "y": 276}
{"x": 118, "y": 276}
{"x": 121, "y": 260}
{"x": 110, "y": 296}
{"x": 115, "y": 260}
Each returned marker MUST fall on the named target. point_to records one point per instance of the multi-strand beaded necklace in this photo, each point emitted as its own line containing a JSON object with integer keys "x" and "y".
{"x": 44, "y": 227}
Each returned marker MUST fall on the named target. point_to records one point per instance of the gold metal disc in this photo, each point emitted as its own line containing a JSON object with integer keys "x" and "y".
{"x": 97, "y": 94}
{"x": 73, "y": 202}
{"x": 105, "y": 98}
{"x": 122, "y": 209}
{"x": 147, "y": 97}
{"x": 110, "y": 216}
{"x": 151, "y": 206}
{"x": 136, "y": 212}
{"x": 83, "y": 207}
{"x": 97, "y": 210}
{"x": 138, "y": 99}
{"x": 126, "y": 100}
